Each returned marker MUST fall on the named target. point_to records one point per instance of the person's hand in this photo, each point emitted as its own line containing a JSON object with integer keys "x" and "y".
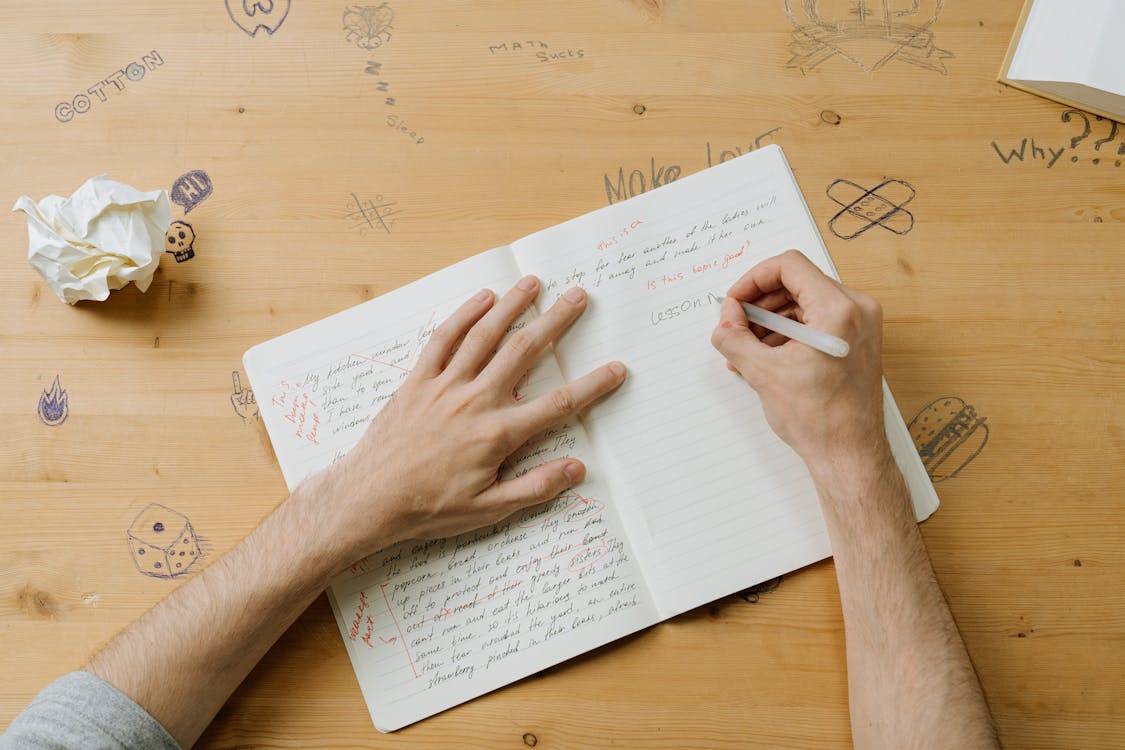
{"x": 828, "y": 409}
{"x": 428, "y": 464}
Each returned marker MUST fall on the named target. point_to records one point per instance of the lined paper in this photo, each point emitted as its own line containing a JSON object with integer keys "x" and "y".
{"x": 689, "y": 495}
{"x": 430, "y": 624}
{"x": 713, "y": 500}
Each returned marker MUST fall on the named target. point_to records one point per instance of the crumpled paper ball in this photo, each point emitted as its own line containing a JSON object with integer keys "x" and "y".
{"x": 100, "y": 238}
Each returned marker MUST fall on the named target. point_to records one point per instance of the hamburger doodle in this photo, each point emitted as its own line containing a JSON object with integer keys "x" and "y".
{"x": 948, "y": 435}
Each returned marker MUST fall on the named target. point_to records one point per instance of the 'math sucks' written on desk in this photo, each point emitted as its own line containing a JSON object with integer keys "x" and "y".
{"x": 689, "y": 495}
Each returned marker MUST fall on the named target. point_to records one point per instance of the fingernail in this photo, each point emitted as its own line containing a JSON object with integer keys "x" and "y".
{"x": 575, "y": 295}
{"x": 483, "y": 295}
{"x": 617, "y": 369}
{"x": 573, "y": 471}
{"x": 527, "y": 283}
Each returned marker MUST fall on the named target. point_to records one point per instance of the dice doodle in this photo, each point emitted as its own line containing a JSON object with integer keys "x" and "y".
{"x": 162, "y": 542}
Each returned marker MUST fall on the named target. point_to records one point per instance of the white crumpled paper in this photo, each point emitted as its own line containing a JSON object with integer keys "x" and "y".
{"x": 102, "y": 237}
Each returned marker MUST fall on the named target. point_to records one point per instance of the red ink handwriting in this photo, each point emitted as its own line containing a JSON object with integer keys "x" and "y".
{"x": 296, "y": 404}
{"x": 588, "y": 556}
{"x": 718, "y": 262}
{"x": 381, "y": 362}
{"x": 409, "y": 658}
{"x": 359, "y": 610}
{"x": 579, "y": 508}
{"x": 447, "y": 612}
{"x": 619, "y": 236}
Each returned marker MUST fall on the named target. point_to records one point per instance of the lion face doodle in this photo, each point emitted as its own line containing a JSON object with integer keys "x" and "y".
{"x": 179, "y": 237}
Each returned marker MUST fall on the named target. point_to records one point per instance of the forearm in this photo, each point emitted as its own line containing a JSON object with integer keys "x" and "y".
{"x": 183, "y": 659}
{"x": 910, "y": 681}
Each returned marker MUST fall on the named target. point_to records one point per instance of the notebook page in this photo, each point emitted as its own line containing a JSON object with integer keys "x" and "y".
{"x": 431, "y": 624}
{"x": 317, "y": 387}
{"x": 713, "y": 500}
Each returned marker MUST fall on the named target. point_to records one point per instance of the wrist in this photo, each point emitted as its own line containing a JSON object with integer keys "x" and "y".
{"x": 339, "y": 523}
{"x": 849, "y": 468}
{"x": 862, "y": 491}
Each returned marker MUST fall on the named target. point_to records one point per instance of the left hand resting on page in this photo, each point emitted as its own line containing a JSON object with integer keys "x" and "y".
{"x": 428, "y": 464}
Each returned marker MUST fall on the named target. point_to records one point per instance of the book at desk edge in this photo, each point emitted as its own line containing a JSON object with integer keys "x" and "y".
{"x": 766, "y": 171}
{"x": 1068, "y": 90}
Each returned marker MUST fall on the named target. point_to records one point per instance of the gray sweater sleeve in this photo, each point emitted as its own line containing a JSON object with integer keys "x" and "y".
{"x": 80, "y": 710}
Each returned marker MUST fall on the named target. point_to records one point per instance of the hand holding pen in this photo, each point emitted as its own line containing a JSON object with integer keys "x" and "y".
{"x": 827, "y": 408}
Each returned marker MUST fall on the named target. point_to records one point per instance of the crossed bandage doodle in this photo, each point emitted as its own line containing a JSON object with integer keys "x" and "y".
{"x": 882, "y": 206}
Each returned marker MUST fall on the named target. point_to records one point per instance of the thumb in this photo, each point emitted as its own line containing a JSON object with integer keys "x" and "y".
{"x": 735, "y": 341}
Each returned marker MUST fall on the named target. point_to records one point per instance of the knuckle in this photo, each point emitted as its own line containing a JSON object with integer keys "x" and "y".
{"x": 502, "y": 436}
{"x": 495, "y": 433}
{"x": 522, "y": 343}
{"x": 563, "y": 401}
{"x": 842, "y": 308}
{"x": 478, "y": 336}
{"x": 872, "y": 307}
{"x": 719, "y": 337}
{"x": 442, "y": 334}
{"x": 543, "y": 487}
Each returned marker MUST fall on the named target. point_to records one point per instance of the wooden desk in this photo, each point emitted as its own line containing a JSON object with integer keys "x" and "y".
{"x": 1005, "y": 290}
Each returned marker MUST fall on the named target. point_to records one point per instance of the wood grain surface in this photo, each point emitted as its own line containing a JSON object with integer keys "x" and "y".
{"x": 1007, "y": 292}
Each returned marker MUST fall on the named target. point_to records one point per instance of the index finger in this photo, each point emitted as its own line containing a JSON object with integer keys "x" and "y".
{"x": 790, "y": 271}
{"x": 237, "y": 382}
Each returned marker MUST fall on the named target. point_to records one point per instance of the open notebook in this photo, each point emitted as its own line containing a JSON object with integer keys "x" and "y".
{"x": 689, "y": 495}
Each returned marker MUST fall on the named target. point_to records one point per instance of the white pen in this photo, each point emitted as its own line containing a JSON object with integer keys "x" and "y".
{"x": 819, "y": 340}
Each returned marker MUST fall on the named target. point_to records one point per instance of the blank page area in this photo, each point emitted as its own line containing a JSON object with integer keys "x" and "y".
{"x": 713, "y": 501}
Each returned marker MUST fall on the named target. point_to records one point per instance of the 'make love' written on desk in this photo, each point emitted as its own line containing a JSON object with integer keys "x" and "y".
{"x": 689, "y": 495}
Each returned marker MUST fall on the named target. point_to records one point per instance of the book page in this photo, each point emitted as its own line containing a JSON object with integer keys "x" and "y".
{"x": 713, "y": 500}
{"x": 1062, "y": 42}
{"x": 430, "y": 624}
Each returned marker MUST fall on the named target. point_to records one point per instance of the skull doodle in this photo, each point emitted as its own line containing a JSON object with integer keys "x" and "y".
{"x": 368, "y": 26}
{"x": 180, "y": 236}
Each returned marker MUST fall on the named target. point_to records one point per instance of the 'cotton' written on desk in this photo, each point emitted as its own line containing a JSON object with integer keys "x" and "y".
{"x": 81, "y": 103}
